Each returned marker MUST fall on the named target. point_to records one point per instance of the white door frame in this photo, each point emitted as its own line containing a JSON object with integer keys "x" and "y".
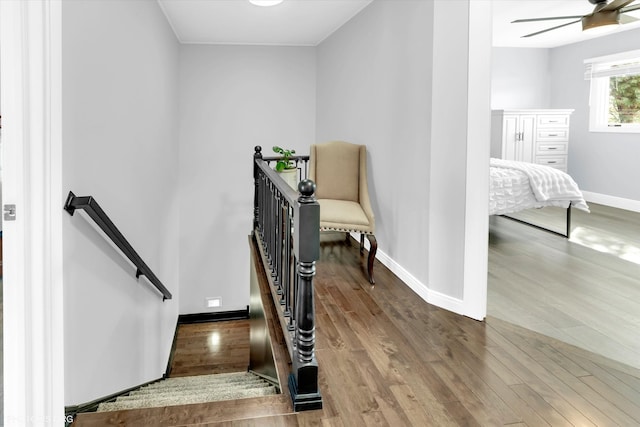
{"x": 476, "y": 255}
{"x": 30, "y": 61}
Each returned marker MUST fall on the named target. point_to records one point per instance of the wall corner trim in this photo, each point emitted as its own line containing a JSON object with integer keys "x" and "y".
{"x": 216, "y": 316}
{"x": 432, "y": 297}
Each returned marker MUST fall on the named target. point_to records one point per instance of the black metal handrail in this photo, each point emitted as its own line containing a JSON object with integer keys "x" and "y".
{"x": 91, "y": 207}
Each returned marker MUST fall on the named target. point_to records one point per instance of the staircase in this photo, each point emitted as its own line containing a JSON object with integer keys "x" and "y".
{"x": 196, "y": 389}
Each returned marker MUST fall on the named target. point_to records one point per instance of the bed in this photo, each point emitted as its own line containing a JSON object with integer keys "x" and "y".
{"x": 516, "y": 186}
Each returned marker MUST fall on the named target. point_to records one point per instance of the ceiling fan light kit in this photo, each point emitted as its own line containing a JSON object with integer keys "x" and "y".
{"x": 606, "y": 16}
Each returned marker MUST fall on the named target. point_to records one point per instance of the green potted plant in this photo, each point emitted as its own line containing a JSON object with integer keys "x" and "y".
{"x": 286, "y": 167}
{"x": 285, "y": 162}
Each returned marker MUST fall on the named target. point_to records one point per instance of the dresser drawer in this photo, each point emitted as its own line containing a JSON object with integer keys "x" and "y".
{"x": 553, "y": 134}
{"x": 553, "y": 120}
{"x": 559, "y": 162}
{"x": 551, "y": 148}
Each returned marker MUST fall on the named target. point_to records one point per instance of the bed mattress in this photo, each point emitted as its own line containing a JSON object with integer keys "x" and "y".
{"x": 516, "y": 186}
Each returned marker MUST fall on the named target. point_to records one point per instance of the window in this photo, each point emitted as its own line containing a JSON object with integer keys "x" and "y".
{"x": 614, "y": 99}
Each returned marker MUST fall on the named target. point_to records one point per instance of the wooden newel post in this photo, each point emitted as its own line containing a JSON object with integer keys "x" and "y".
{"x": 303, "y": 381}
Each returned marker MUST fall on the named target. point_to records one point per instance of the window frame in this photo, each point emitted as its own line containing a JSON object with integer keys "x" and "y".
{"x": 599, "y": 72}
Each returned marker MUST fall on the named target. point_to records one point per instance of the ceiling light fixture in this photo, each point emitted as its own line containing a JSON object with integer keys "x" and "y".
{"x": 265, "y": 2}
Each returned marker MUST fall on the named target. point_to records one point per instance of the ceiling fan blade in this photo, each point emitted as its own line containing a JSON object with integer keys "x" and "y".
{"x": 552, "y": 28}
{"x": 615, "y": 5}
{"x": 630, "y": 8}
{"x": 626, "y": 19}
{"x": 545, "y": 19}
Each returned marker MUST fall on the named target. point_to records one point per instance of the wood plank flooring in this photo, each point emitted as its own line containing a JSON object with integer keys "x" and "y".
{"x": 211, "y": 348}
{"x": 584, "y": 291}
{"x": 389, "y": 359}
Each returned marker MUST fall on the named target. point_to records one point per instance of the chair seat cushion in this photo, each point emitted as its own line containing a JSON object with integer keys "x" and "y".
{"x": 343, "y": 215}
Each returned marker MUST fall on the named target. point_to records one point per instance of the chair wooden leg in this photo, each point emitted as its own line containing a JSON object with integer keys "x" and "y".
{"x": 372, "y": 256}
{"x": 361, "y": 243}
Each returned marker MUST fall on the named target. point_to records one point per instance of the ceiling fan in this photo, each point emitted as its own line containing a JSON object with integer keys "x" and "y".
{"x": 603, "y": 14}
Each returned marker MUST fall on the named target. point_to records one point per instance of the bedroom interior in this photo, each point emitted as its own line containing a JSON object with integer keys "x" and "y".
{"x": 583, "y": 290}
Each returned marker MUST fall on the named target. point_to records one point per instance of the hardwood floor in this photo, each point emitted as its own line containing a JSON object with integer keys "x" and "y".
{"x": 387, "y": 358}
{"x": 585, "y": 291}
{"x": 211, "y": 348}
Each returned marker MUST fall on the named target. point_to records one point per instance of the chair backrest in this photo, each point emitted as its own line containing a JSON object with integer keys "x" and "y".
{"x": 337, "y": 167}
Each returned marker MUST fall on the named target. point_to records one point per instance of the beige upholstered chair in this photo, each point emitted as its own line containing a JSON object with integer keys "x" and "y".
{"x": 339, "y": 170}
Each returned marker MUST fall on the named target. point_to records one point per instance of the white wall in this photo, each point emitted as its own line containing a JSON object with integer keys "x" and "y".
{"x": 232, "y": 98}
{"x": 520, "y": 78}
{"x": 603, "y": 163}
{"x": 120, "y": 145}
{"x": 397, "y": 79}
{"x": 374, "y": 88}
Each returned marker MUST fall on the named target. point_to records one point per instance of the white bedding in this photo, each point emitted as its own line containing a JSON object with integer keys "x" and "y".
{"x": 516, "y": 186}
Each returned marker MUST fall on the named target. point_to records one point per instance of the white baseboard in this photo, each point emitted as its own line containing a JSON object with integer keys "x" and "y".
{"x": 432, "y": 297}
{"x": 613, "y": 201}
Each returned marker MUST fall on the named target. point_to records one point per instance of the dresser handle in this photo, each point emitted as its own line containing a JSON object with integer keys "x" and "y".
{"x": 552, "y": 148}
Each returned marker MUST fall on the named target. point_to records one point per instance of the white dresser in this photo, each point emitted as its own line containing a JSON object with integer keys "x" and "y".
{"x": 535, "y": 136}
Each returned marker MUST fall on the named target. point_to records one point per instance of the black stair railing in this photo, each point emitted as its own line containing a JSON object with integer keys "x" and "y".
{"x": 95, "y": 212}
{"x": 286, "y": 226}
